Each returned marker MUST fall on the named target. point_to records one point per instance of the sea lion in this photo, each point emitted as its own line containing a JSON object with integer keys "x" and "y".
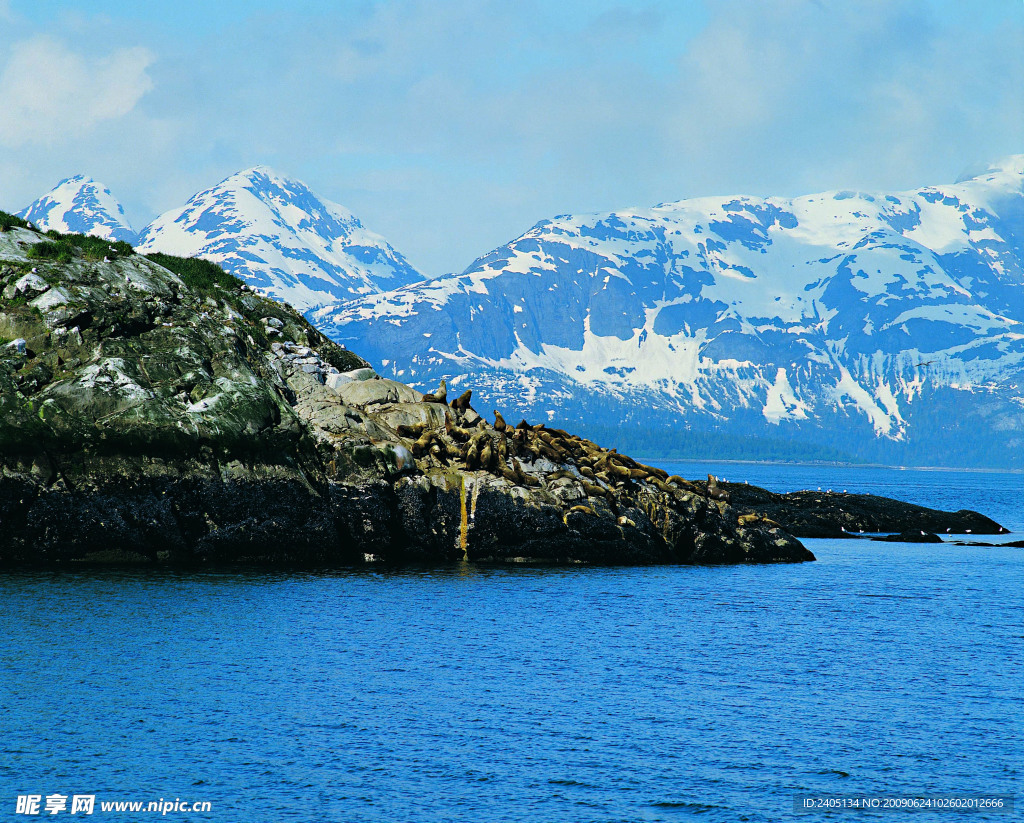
{"x": 461, "y": 403}
{"x": 558, "y": 475}
{"x": 522, "y": 477}
{"x": 412, "y": 431}
{"x": 588, "y": 472}
{"x": 661, "y": 474}
{"x": 616, "y": 470}
{"x": 517, "y": 470}
{"x": 548, "y": 452}
{"x": 522, "y": 425}
{"x": 440, "y": 396}
{"x": 714, "y": 492}
{"x": 661, "y": 485}
{"x": 486, "y": 455}
{"x": 580, "y": 510}
{"x": 681, "y": 483}
{"x": 499, "y": 422}
{"x": 420, "y": 447}
{"x": 456, "y": 432}
{"x": 473, "y": 455}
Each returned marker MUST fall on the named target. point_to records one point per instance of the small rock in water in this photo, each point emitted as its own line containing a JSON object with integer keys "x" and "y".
{"x": 909, "y": 537}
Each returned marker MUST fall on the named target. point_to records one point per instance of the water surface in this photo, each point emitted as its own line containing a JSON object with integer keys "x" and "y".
{"x": 522, "y": 694}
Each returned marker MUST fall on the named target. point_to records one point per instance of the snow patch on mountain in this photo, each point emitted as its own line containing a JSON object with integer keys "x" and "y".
{"x": 843, "y": 308}
{"x": 80, "y": 205}
{"x": 276, "y": 234}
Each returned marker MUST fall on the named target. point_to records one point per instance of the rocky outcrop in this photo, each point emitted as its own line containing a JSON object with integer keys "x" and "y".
{"x": 838, "y": 514}
{"x": 918, "y": 536}
{"x": 156, "y": 415}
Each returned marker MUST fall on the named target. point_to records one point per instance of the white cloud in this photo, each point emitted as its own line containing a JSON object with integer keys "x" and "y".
{"x": 452, "y": 127}
{"x": 50, "y": 94}
{"x": 794, "y": 96}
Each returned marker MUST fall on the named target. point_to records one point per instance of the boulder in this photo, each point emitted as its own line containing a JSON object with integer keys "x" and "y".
{"x": 29, "y": 284}
{"x": 376, "y": 392}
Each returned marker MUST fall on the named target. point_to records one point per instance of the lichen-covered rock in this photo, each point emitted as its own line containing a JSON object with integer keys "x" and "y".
{"x": 152, "y": 416}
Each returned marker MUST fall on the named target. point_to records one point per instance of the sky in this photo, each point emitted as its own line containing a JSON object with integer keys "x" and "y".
{"x": 453, "y": 126}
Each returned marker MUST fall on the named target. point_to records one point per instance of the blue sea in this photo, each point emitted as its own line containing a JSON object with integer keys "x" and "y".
{"x": 532, "y": 694}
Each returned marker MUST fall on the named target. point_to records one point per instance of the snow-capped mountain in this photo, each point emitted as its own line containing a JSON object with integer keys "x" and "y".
{"x": 883, "y": 326}
{"x": 276, "y": 234}
{"x": 82, "y": 206}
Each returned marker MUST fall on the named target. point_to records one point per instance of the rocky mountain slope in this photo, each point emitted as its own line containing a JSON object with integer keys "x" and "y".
{"x": 159, "y": 410}
{"x": 883, "y": 326}
{"x": 83, "y": 206}
{"x": 275, "y": 234}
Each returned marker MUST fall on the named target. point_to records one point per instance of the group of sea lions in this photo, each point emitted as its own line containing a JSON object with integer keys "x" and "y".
{"x": 468, "y": 440}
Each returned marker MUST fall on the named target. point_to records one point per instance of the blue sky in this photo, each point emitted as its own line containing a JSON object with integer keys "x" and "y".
{"x": 452, "y": 126}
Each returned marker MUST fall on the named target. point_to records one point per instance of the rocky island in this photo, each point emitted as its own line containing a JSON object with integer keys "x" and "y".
{"x": 153, "y": 409}
{"x": 842, "y": 515}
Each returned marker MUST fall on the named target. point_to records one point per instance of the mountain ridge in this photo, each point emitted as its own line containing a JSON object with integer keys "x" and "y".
{"x": 884, "y": 326}
{"x": 276, "y": 234}
{"x": 268, "y": 229}
{"x": 849, "y": 313}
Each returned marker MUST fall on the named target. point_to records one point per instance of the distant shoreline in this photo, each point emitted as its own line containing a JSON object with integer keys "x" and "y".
{"x": 655, "y": 460}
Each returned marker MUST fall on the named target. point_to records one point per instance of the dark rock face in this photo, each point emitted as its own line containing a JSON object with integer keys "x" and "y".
{"x": 152, "y": 417}
{"x": 832, "y": 514}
